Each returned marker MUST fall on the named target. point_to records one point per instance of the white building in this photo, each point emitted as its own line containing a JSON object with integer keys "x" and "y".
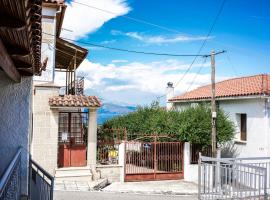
{"x": 246, "y": 100}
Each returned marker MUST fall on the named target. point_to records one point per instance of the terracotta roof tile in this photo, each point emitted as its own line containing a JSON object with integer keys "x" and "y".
{"x": 244, "y": 86}
{"x": 74, "y": 101}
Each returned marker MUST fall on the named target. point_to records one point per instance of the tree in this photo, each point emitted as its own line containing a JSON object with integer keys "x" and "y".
{"x": 193, "y": 124}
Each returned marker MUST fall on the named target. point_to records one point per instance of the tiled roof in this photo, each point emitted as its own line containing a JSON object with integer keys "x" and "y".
{"x": 74, "y": 101}
{"x": 244, "y": 86}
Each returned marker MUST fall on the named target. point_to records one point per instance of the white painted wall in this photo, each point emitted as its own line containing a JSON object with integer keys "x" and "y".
{"x": 15, "y": 122}
{"x": 258, "y": 124}
{"x": 48, "y": 44}
{"x": 190, "y": 170}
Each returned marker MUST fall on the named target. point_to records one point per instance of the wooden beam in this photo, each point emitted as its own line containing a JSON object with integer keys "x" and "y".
{"x": 21, "y": 64}
{"x": 16, "y": 49}
{"x": 10, "y": 22}
{"x": 7, "y": 64}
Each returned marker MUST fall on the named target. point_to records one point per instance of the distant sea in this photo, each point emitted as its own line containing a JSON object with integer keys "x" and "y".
{"x": 110, "y": 110}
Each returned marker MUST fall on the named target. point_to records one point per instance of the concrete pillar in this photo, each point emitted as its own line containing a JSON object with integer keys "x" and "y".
{"x": 92, "y": 138}
{"x": 186, "y": 160}
{"x": 121, "y": 161}
{"x": 190, "y": 170}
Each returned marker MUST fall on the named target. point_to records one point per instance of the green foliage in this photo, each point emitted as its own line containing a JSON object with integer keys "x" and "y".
{"x": 193, "y": 124}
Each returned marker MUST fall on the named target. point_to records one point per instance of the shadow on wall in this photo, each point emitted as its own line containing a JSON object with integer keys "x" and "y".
{"x": 229, "y": 150}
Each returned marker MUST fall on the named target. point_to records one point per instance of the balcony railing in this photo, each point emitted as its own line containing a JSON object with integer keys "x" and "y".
{"x": 10, "y": 182}
{"x": 41, "y": 183}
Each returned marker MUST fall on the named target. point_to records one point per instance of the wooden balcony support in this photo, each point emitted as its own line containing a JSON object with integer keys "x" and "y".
{"x": 7, "y": 64}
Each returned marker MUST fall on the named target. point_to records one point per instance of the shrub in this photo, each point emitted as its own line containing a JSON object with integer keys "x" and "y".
{"x": 193, "y": 124}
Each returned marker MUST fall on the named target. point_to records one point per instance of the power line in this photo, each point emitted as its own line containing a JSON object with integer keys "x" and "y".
{"x": 130, "y": 18}
{"x": 202, "y": 46}
{"x": 199, "y": 71}
{"x": 204, "y": 42}
{"x": 231, "y": 64}
{"x": 131, "y": 51}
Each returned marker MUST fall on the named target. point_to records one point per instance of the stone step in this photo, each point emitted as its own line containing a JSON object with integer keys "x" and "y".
{"x": 73, "y": 172}
{"x": 79, "y": 185}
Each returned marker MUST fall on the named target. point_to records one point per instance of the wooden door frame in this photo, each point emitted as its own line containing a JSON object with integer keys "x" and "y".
{"x": 81, "y": 149}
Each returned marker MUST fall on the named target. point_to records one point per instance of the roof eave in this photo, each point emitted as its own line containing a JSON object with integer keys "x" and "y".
{"x": 263, "y": 96}
{"x": 77, "y": 107}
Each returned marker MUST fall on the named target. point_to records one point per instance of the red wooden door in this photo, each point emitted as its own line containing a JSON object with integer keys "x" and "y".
{"x": 72, "y": 140}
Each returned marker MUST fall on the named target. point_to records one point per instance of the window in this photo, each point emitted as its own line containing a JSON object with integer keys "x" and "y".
{"x": 243, "y": 127}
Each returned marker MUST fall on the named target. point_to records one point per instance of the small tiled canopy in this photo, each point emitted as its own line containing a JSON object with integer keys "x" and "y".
{"x": 74, "y": 101}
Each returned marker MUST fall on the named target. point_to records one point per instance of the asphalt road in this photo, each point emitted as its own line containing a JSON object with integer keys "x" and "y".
{"x": 79, "y": 195}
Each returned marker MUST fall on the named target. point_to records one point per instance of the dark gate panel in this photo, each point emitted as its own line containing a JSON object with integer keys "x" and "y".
{"x": 72, "y": 139}
{"x": 41, "y": 183}
{"x": 146, "y": 161}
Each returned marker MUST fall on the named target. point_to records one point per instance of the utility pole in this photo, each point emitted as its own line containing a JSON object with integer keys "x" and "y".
{"x": 213, "y": 105}
{"x": 213, "y": 101}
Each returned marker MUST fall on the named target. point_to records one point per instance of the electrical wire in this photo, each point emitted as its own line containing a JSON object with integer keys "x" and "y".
{"x": 199, "y": 71}
{"x": 231, "y": 64}
{"x": 131, "y": 51}
{"x": 201, "y": 47}
{"x": 130, "y": 18}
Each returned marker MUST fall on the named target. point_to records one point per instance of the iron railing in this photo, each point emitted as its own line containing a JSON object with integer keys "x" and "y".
{"x": 233, "y": 178}
{"x": 107, "y": 152}
{"x": 10, "y": 182}
{"x": 153, "y": 160}
{"x": 41, "y": 183}
{"x": 108, "y": 142}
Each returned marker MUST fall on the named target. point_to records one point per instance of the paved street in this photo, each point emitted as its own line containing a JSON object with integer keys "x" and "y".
{"x": 79, "y": 195}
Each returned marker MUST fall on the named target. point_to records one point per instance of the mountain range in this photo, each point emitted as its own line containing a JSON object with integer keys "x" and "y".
{"x": 110, "y": 110}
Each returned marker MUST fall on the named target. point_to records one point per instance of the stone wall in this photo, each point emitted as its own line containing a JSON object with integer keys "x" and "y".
{"x": 45, "y": 129}
{"x": 111, "y": 172}
{"x": 15, "y": 122}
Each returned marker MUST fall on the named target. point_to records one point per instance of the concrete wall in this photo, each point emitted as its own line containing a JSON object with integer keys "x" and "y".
{"x": 257, "y": 143}
{"x": 114, "y": 173}
{"x": 15, "y": 122}
{"x": 258, "y": 124}
{"x": 111, "y": 172}
{"x": 45, "y": 129}
{"x": 190, "y": 170}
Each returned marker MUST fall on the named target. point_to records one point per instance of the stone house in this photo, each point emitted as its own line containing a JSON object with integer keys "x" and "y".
{"x": 20, "y": 59}
{"x": 64, "y": 134}
{"x": 246, "y": 100}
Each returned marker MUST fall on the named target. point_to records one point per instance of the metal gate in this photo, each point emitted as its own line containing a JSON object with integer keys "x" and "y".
{"x": 233, "y": 178}
{"x": 146, "y": 161}
{"x": 41, "y": 182}
{"x": 72, "y": 139}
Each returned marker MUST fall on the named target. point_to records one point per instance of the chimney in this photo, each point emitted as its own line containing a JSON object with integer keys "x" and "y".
{"x": 169, "y": 95}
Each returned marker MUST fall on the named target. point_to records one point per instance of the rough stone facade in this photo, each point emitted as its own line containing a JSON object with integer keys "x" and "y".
{"x": 45, "y": 129}
{"x": 15, "y": 123}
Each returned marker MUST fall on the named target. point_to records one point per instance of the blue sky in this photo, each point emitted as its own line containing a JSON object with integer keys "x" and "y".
{"x": 242, "y": 29}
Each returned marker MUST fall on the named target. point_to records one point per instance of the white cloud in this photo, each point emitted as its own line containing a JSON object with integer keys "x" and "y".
{"x": 82, "y": 20}
{"x": 136, "y": 83}
{"x": 158, "y": 39}
{"x": 119, "y": 61}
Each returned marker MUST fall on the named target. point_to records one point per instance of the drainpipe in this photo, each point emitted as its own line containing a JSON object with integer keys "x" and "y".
{"x": 169, "y": 95}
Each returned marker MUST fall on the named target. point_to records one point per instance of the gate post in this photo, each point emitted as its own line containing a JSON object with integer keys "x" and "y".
{"x": 92, "y": 139}
{"x": 122, "y": 162}
{"x": 199, "y": 176}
